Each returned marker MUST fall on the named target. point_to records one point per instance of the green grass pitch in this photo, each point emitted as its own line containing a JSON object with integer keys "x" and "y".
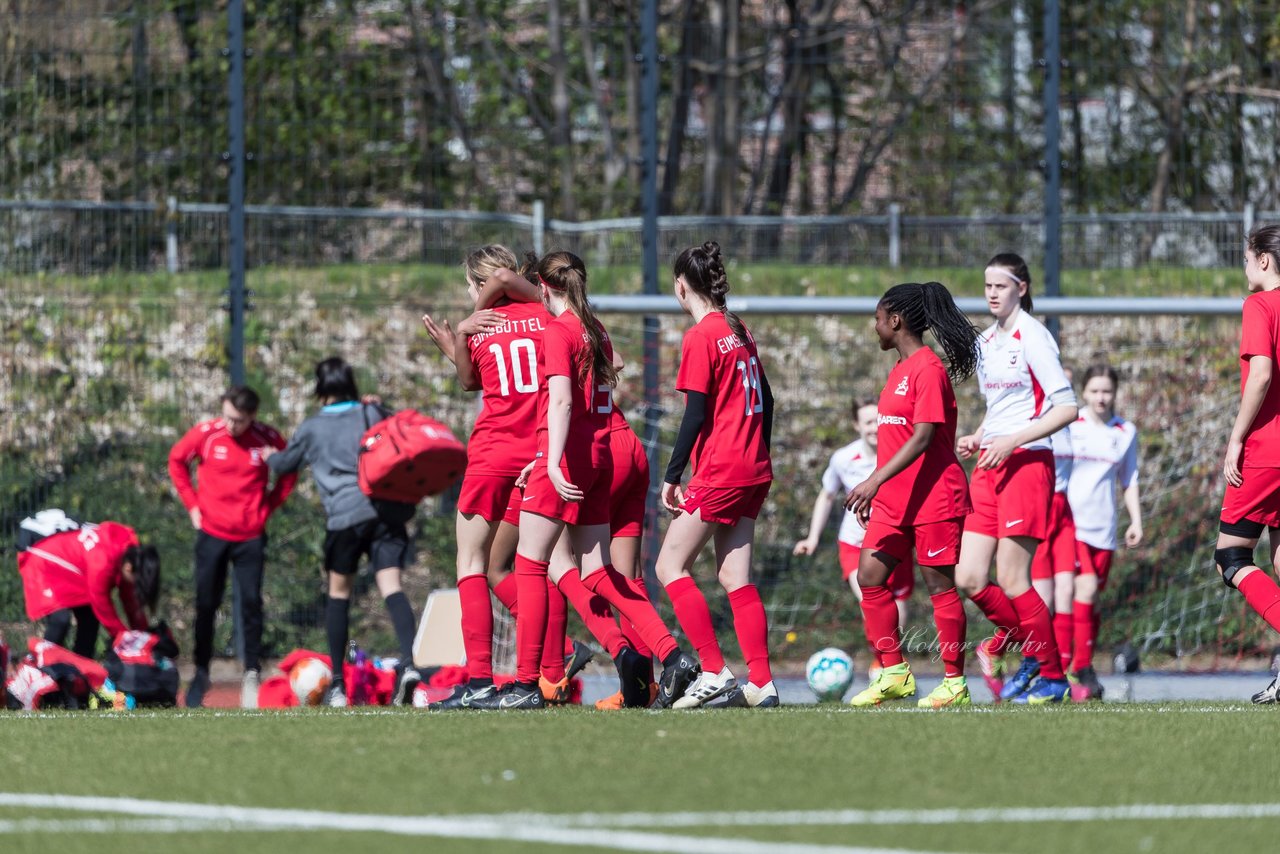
{"x": 1089, "y": 779}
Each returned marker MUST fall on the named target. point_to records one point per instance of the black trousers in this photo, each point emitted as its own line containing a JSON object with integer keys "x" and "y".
{"x": 58, "y": 624}
{"x": 246, "y": 559}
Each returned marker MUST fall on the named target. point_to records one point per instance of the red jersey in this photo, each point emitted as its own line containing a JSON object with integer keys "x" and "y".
{"x": 78, "y": 568}
{"x": 933, "y": 488}
{"x": 1258, "y": 337}
{"x": 232, "y": 496}
{"x": 565, "y": 349}
{"x": 506, "y": 360}
{"x": 730, "y": 449}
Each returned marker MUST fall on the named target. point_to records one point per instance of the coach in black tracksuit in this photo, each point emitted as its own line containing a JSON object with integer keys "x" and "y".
{"x": 329, "y": 442}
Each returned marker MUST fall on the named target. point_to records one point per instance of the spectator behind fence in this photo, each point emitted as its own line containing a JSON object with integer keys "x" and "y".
{"x": 229, "y": 509}
{"x": 70, "y": 575}
{"x": 329, "y": 442}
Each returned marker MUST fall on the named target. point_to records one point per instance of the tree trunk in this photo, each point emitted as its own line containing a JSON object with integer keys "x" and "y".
{"x": 682, "y": 86}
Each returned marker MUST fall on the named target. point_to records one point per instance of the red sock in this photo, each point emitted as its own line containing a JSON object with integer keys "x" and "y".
{"x": 1037, "y": 631}
{"x": 551, "y": 665}
{"x": 505, "y": 590}
{"x": 610, "y": 584}
{"x": 1263, "y": 596}
{"x": 477, "y": 625}
{"x": 531, "y": 623}
{"x": 752, "y": 627}
{"x": 628, "y": 629}
{"x": 694, "y": 618}
{"x": 880, "y": 621}
{"x": 1082, "y": 649}
{"x": 1063, "y": 632}
{"x": 993, "y": 603}
{"x": 948, "y": 616}
{"x": 594, "y": 611}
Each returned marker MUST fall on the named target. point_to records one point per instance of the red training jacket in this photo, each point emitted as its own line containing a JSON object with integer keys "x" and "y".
{"x": 232, "y": 496}
{"x": 81, "y": 567}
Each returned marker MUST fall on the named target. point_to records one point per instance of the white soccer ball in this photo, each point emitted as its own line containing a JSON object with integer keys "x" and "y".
{"x": 829, "y": 673}
{"x": 309, "y": 678}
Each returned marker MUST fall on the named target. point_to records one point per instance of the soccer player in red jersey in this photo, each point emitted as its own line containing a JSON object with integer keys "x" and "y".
{"x": 502, "y": 340}
{"x": 568, "y": 486}
{"x": 726, "y": 428}
{"x": 848, "y": 467}
{"x": 1252, "y": 463}
{"x": 229, "y": 508}
{"x": 917, "y": 497}
{"x": 73, "y": 573}
{"x": 1104, "y": 450}
{"x": 1028, "y": 399}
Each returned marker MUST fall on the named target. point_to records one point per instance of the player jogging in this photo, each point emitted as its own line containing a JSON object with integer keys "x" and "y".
{"x": 1252, "y": 463}
{"x": 726, "y": 426}
{"x": 848, "y": 467}
{"x": 1028, "y": 398}
{"x": 568, "y": 486}
{"x": 1104, "y": 450}
{"x": 917, "y": 497}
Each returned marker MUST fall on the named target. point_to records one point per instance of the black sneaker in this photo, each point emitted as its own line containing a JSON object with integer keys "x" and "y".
{"x": 484, "y": 698}
{"x": 517, "y": 696}
{"x": 408, "y": 680}
{"x": 573, "y": 663}
{"x": 1089, "y": 679}
{"x": 453, "y": 701}
{"x": 676, "y": 678}
{"x": 1269, "y": 694}
{"x": 633, "y": 678}
{"x": 200, "y": 684}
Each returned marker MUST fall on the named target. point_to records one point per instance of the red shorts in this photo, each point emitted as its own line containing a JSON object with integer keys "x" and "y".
{"x": 630, "y": 486}
{"x": 1257, "y": 499}
{"x": 1013, "y": 500}
{"x": 490, "y": 496}
{"x": 727, "y": 505}
{"x": 1094, "y": 562}
{"x": 541, "y": 497}
{"x": 1058, "y": 552}
{"x": 902, "y": 581}
{"x": 935, "y": 543}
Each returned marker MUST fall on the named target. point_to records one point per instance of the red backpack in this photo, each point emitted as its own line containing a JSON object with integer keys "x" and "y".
{"x": 409, "y": 456}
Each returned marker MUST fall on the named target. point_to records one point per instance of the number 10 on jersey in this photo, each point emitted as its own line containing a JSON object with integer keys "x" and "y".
{"x": 524, "y": 366}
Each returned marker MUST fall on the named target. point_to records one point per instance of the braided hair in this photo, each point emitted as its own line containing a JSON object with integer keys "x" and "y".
{"x": 1017, "y": 268}
{"x": 930, "y": 306}
{"x": 703, "y": 271}
{"x": 565, "y": 273}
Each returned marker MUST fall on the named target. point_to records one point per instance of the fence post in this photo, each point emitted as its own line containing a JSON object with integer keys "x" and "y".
{"x": 1052, "y": 157}
{"x": 539, "y": 226}
{"x": 235, "y": 157}
{"x": 1249, "y": 215}
{"x": 895, "y": 235}
{"x": 171, "y": 235}
{"x": 649, "y": 242}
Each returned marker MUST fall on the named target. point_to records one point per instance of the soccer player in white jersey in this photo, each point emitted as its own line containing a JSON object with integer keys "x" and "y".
{"x": 1028, "y": 399}
{"x": 850, "y": 466}
{"x": 1104, "y": 450}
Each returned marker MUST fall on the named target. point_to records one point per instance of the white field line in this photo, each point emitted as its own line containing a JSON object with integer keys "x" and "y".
{"x": 176, "y": 816}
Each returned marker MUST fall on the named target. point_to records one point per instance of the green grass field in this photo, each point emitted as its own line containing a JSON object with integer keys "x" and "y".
{"x": 798, "y": 779}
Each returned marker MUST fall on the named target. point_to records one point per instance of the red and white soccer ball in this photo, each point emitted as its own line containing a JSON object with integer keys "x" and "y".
{"x": 309, "y": 678}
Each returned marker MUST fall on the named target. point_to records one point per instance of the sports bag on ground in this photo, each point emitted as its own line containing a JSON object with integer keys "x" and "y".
{"x": 408, "y": 456}
{"x": 141, "y": 665}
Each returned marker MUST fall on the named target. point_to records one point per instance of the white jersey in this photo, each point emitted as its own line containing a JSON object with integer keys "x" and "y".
{"x": 849, "y": 466}
{"x": 1061, "y": 442}
{"x": 1101, "y": 455}
{"x": 1018, "y": 372}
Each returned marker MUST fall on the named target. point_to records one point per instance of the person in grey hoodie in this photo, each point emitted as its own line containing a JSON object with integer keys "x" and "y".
{"x": 329, "y": 442}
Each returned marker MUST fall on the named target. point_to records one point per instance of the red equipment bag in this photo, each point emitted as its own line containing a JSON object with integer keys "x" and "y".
{"x": 408, "y": 456}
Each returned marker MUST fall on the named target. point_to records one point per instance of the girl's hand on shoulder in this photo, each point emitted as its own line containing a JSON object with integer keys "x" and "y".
{"x": 484, "y": 320}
